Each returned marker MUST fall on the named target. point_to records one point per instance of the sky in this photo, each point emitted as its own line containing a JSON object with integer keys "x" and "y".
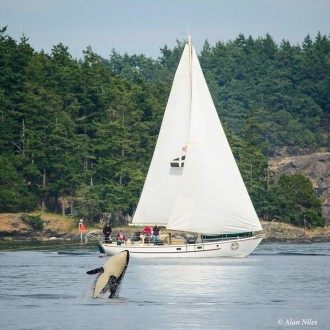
{"x": 145, "y": 26}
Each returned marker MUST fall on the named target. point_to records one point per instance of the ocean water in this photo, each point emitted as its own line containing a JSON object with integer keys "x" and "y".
{"x": 279, "y": 286}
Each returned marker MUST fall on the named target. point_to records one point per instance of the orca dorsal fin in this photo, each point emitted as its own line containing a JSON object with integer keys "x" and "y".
{"x": 95, "y": 271}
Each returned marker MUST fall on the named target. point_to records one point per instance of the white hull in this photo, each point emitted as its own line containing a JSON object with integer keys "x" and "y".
{"x": 238, "y": 247}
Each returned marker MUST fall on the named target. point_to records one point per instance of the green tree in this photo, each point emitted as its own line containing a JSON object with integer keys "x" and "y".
{"x": 294, "y": 200}
{"x": 14, "y": 193}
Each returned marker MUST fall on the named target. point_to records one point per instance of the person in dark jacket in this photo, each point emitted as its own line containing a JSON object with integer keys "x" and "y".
{"x": 107, "y": 232}
{"x": 156, "y": 234}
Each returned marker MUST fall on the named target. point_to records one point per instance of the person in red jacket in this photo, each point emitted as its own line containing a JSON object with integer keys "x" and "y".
{"x": 147, "y": 231}
{"x": 121, "y": 237}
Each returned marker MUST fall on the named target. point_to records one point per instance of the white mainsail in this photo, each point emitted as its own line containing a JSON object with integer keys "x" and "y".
{"x": 208, "y": 194}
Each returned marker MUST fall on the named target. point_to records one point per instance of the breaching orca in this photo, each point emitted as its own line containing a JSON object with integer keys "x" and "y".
{"x": 110, "y": 275}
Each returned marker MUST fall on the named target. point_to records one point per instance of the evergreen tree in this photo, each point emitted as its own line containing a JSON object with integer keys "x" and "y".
{"x": 14, "y": 193}
{"x": 293, "y": 200}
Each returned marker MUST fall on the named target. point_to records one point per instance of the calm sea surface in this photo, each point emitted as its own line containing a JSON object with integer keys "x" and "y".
{"x": 280, "y": 286}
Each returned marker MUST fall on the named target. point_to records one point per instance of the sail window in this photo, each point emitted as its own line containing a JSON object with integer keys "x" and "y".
{"x": 178, "y": 162}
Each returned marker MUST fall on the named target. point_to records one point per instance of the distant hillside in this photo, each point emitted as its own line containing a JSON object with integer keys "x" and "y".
{"x": 77, "y": 136}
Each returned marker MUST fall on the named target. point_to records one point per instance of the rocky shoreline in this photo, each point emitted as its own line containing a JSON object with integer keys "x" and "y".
{"x": 55, "y": 229}
{"x": 284, "y": 233}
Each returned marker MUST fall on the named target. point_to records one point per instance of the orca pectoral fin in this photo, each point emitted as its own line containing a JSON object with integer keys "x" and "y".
{"x": 95, "y": 271}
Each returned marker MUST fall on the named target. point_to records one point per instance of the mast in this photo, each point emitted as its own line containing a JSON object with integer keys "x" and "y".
{"x": 190, "y": 59}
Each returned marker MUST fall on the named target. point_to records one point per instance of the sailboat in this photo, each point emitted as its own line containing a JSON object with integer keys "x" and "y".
{"x": 193, "y": 184}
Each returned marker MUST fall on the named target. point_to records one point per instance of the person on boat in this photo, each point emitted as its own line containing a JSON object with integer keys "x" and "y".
{"x": 147, "y": 232}
{"x": 121, "y": 237}
{"x": 156, "y": 234}
{"x": 107, "y": 232}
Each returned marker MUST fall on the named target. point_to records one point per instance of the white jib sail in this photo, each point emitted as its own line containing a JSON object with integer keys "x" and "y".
{"x": 211, "y": 197}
